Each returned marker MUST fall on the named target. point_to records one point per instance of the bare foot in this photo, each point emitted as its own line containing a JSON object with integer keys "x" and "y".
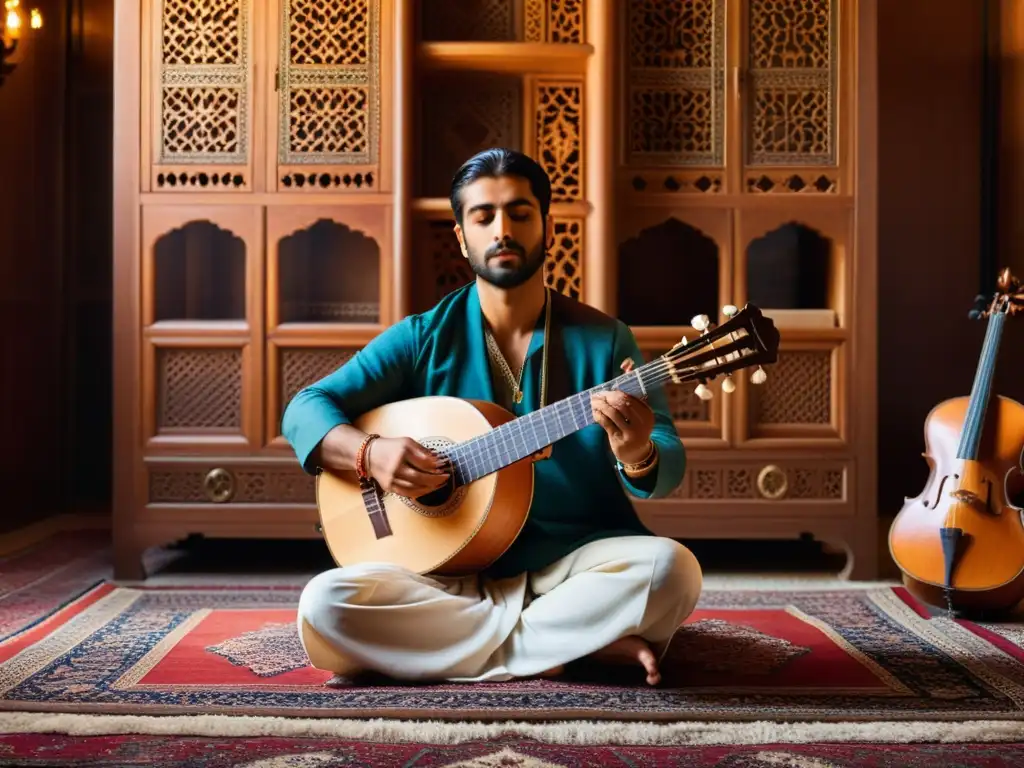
{"x": 630, "y": 650}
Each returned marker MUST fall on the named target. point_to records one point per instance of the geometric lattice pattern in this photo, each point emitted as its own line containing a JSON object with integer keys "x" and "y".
{"x": 538, "y": 21}
{"x": 438, "y": 245}
{"x": 460, "y": 116}
{"x": 305, "y": 366}
{"x": 490, "y": 21}
{"x": 565, "y": 21}
{"x": 683, "y": 403}
{"x": 563, "y": 270}
{"x": 798, "y": 390}
{"x": 676, "y": 90}
{"x": 740, "y": 481}
{"x": 793, "y": 66}
{"x": 249, "y": 486}
{"x": 560, "y": 137}
{"x": 199, "y": 388}
{"x": 329, "y": 89}
{"x": 204, "y": 73}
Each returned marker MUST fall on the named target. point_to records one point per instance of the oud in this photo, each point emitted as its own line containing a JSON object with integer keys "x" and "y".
{"x": 465, "y": 526}
{"x": 960, "y": 543}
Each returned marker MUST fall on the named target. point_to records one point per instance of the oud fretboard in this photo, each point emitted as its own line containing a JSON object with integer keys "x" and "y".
{"x": 534, "y": 431}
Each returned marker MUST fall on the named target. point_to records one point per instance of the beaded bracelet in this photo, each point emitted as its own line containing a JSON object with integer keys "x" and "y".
{"x": 361, "y": 457}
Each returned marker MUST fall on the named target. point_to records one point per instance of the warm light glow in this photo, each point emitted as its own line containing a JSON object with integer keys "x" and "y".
{"x": 36, "y": 19}
{"x": 13, "y": 22}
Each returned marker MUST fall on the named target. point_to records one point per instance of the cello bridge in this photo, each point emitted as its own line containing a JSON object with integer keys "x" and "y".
{"x": 967, "y": 497}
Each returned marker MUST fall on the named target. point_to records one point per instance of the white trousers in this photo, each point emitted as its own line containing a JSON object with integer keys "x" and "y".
{"x": 387, "y": 619}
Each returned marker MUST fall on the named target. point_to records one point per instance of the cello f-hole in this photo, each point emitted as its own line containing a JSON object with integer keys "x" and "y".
{"x": 938, "y": 493}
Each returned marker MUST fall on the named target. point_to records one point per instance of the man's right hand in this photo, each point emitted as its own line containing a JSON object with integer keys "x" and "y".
{"x": 403, "y": 466}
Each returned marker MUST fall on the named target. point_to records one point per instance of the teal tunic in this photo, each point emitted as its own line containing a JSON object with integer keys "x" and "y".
{"x": 579, "y": 495}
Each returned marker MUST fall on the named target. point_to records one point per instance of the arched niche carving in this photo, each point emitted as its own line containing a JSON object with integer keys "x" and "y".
{"x": 329, "y": 272}
{"x": 667, "y": 274}
{"x": 790, "y": 268}
{"x": 199, "y": 274}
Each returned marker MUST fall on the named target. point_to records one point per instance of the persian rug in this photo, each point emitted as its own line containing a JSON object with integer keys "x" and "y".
{"x": 38, "y": 580}
{"x": 131, "y": 751}
{"x": 815, "y": 655}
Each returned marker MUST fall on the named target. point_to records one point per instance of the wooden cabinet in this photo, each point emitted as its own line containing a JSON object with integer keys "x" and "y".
{"x": 281, "y": 183}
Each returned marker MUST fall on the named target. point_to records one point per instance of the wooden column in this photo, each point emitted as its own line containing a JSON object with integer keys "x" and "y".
{"x": 599, "y": 248}
{"x": 1009, "y": 18}
{"x": 128, "y": 470}
{"x": 402, "y": 165}
{"x": 863, "y": 556}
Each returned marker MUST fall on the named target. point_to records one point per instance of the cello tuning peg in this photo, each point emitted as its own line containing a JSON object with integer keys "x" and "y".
{"x": 728, "y": 385}
{"x": 700, "y": 322}
{"x": 703, "y": 392}
{"x": 758, "y": 376}
{"x": 729, "y": 310}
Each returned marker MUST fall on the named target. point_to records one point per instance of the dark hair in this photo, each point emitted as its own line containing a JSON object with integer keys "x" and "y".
{"x": 496, "y": 162}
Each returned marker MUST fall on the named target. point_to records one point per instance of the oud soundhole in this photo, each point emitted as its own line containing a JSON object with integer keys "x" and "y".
{"x": 444, "y": 500}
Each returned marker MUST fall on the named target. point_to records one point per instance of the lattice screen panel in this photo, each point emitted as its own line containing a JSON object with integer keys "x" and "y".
{"x": 793, "y": 81}
{"x": 676, "y": 92}
{"x": 685, "y": 407}
{"x": 763, "y": 482}
{"x": 301, "y": 367}
{"x": 202, "y": 101}
{"x": 558, "y": 107}
{"x": 563, "y": 269}
{"x": 329, "y": 96}
{"x": 552, "y": 21}
{"x": 233, "y": 486}
{"x": 798, "y": 391}
{"x": 461, "y": 115}
{"x": 199, "y": 389}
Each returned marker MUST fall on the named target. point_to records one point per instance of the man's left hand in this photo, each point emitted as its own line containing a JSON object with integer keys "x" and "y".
{"x": 628, "y": 421}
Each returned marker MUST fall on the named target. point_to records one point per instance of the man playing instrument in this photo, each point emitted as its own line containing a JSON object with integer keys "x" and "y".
{"x": 584, "y": 580}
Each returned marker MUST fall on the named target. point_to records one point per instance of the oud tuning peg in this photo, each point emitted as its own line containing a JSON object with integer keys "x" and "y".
{"x": 703, "y": 392}
{"x": 758, "y": 376}
{"x": 683, "y": 341}
{"x": 729, "y": 310}
{"x": 700, "y": 322}
{"x": 728, "y": 385}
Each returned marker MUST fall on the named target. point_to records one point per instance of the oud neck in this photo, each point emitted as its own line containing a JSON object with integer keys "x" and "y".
{"x": 981, "y": 391}
{"x": 531, "y": 433}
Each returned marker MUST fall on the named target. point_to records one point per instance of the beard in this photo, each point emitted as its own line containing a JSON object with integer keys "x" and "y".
{"x": 500, "y": 275}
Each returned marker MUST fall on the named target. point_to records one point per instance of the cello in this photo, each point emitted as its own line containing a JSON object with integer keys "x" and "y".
{"x": 960, "y": 543}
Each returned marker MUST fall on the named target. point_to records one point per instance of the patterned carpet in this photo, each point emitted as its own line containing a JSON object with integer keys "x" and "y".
{"x": 130, "y": 751}
{"x": 74, "y": 643}
{"x": 871, "y": 654}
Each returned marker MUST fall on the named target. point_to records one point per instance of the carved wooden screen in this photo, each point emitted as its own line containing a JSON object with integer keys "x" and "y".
{"x": 330, "y": 68}
{"x": 675, "y": 96}
{"x": 792, "y": 96}
{"x": 198, "y": 96}
{"x": 533, "y": 21}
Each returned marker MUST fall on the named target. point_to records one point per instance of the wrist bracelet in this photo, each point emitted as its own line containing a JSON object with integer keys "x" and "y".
{"x": 642, "y": 467}
{"x": 361, "y": 457}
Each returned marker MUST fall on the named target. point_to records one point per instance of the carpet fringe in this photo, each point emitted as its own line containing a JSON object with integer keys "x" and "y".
{"x": 562, "y": 732}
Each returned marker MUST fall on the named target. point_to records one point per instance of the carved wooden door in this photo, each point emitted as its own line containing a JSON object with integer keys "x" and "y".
{"x": 327, "y": 99}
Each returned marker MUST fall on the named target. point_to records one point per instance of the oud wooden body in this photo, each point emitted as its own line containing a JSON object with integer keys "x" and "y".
{"x": 974, "y": 496}
{"x": 468, "y": 532}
